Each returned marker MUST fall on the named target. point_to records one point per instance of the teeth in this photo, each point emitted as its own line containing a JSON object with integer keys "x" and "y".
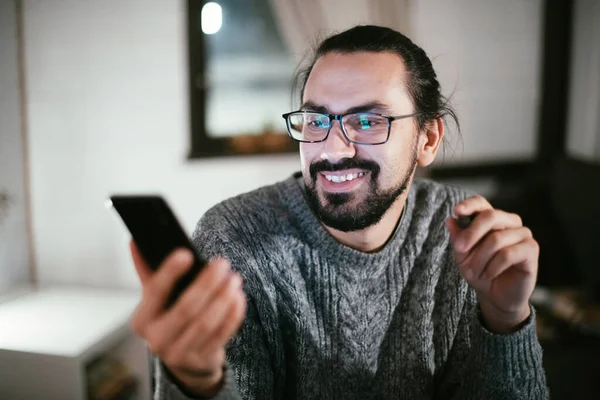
{"x": 343, "y": 178}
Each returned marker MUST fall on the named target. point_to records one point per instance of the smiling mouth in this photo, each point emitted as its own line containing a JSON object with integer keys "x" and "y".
{"x": 340, "y": 178}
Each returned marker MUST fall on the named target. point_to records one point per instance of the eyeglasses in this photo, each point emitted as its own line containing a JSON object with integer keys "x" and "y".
{"x": 361, "y": 128}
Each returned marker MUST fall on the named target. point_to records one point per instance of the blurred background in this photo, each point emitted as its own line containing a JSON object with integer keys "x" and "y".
{"x": 184, "y": 99}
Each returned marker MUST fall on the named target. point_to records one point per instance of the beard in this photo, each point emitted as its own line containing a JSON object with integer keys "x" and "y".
{"x": 337, "y": 212}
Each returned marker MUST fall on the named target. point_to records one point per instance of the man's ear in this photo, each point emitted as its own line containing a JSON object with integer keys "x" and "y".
{"x": 429, "y": 141}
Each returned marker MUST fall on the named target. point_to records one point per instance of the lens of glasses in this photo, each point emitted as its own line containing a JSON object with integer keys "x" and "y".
{"x": 308, "y": 127}
{"x": 366, "y": 128}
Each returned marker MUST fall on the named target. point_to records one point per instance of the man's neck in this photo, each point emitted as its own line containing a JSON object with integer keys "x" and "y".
{"x": 375, "y": 237}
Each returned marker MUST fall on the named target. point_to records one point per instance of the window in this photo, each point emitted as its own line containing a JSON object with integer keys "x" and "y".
{"x": 240, "y": 79}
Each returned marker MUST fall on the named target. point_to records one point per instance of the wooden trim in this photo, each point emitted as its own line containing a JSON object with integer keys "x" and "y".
{"x": 22, "y": 70}
{"x": 196, "y": 83}
{"x": 245, "y": 146}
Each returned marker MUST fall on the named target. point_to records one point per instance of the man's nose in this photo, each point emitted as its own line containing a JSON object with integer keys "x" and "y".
{"x": 337, "y": 146}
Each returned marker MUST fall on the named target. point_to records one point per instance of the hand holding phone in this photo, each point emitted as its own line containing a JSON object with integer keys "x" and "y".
{"x": 207, "y": 303}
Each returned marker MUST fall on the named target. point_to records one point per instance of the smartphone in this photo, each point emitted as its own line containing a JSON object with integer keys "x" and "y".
{"x": 156, "y": 233}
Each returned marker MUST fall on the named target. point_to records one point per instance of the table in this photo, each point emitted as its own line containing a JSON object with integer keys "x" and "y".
{"x": 49, "y": 336}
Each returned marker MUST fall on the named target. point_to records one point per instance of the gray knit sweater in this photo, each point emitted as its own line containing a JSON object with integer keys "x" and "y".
{"x": 325, "y": 321}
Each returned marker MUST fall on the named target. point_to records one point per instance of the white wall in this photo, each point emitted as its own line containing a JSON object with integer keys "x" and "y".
{"x": 14, "y": 256}
{"x": 583, "y": 140}
{"x": 488, "y": 53}
{"x": 108, "y": 113}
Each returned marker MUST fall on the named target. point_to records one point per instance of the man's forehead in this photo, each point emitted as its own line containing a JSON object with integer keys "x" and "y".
{"x": 342, "y": 82}
{"x": 368, "y": 66}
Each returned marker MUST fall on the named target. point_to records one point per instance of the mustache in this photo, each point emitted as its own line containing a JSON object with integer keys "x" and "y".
{"x": 343, "y": 164}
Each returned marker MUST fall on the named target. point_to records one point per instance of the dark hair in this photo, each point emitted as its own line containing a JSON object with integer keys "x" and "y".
{"x": 422, "y": 85}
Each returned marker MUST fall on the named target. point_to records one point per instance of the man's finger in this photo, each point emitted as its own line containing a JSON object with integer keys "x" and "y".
{"x": 471, "y": 205}
{"x": 190, "y": 341}
{"x": 233, "y": 322}
{"x": 217, "y": 311}
{"x": 491, "y": 244}
{"x": 157, "y": 289}
{"x": 192, "y": 302}
{"x": 453, "y": 232}
{"x": 229, "y": 327}
{"x": 204, "y": 287}
{"x": 485, "y": 222}
{"x": 453, "y": 228}
{"x": 523, "y": 253}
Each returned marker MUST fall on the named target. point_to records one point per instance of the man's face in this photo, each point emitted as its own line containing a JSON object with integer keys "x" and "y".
{"x": 351, "y": 186}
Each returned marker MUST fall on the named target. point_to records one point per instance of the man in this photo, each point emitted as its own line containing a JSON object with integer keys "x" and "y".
{"x": 358, "y": 281}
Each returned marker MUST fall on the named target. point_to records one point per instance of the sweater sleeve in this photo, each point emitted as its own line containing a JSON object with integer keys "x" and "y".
{"x": 484, "y": 365}
{"x": 254, "y": 368}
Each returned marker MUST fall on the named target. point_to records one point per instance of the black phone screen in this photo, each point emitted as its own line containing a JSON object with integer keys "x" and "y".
{"x": 157, "y": 233}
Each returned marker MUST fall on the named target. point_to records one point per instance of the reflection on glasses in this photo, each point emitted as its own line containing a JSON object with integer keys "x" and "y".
{"x": 360, "y": 128}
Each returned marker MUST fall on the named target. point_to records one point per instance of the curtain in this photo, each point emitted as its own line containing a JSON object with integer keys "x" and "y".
{"x": 304, "y": 23}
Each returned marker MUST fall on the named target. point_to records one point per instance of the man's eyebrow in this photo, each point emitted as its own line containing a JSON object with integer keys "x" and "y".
{"x": 374, "y": 106}
{"x": 310, "y": 106}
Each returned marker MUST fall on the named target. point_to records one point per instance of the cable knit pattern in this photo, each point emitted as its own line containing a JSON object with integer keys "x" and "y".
{"x": 325, "y": 321}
